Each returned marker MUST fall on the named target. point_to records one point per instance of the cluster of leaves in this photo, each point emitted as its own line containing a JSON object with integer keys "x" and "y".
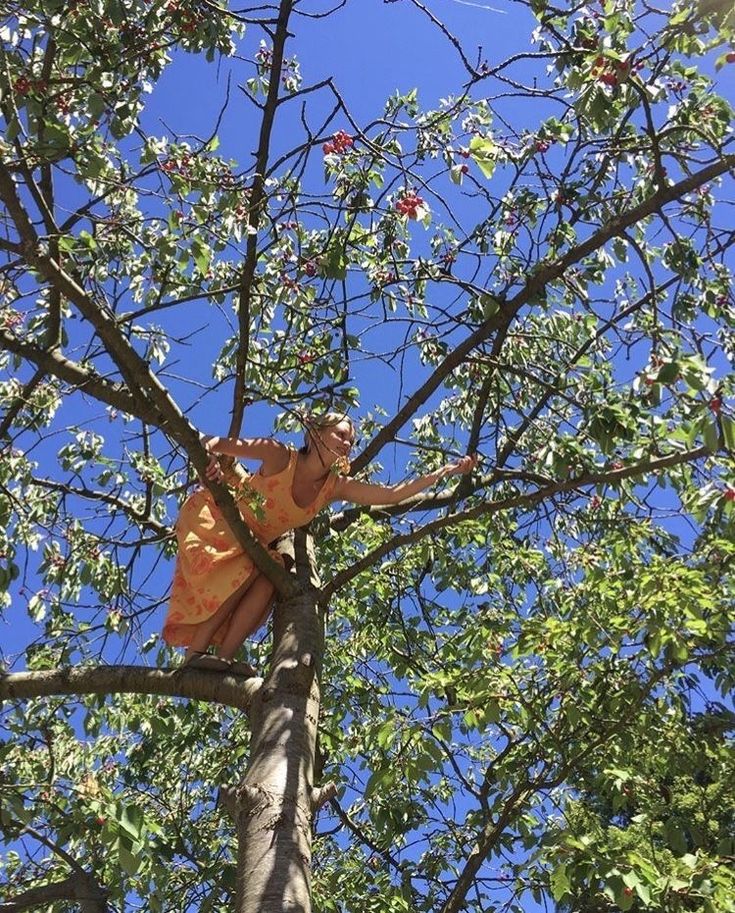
{"x": 657, "y": 835}
{"x": 505, "y": 708}
{"x": 115, "y": 786}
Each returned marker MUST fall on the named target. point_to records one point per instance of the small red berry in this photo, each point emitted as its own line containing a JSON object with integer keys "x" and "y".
{"x": 464, "y": 168}
{"x": 730, "y": 494}
{"x": 409, "y": 205}
{"x": 715, "y": 404}
{"x": 730, "y": 58}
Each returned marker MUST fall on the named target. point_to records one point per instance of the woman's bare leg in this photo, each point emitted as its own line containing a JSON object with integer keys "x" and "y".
{"x": 248, "y": 616}
{"x": 206, "y": 630}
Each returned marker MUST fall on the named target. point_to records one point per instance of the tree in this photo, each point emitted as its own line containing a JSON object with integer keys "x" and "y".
{"x": 544, "y": 256}
{"x": 670, "y": 815}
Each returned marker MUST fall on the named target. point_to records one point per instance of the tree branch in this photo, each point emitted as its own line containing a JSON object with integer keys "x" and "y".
{"x": 163, "y": 532}
{"x": 215, "y": 687}
{"x": 53, "y": 362}
{"x": 530, "y": 786}
{"x": 255, "y": 205}
{"x": 493, "y": 507}
{"x": 146, "y": 390}
{"x": 544, "y": 274}
{"x": 77, "y": 887}
{"x": 20, "y": 400}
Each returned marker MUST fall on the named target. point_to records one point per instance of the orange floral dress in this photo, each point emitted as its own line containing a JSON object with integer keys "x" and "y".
{"x": 211, "y": 566}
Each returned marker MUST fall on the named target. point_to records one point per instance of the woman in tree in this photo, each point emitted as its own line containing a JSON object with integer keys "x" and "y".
{"x": 219, "y": 597}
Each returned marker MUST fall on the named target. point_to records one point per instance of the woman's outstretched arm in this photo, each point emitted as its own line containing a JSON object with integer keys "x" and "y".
{"x": 364, "y": 493}
{"x": 272, "y": 454}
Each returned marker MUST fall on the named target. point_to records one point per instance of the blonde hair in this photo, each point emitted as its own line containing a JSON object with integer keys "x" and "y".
{"x": 316, "y": 420}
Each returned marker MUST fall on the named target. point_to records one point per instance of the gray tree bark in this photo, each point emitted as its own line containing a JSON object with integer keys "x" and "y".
{"x": 274, "y": 805}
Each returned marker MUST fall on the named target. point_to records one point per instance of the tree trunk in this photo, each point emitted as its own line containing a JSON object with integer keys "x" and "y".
{"x": 274, "y": 804}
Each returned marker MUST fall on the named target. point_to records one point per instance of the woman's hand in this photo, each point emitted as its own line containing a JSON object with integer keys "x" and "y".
{"x": 462, "y": 466}
{"x": 213, "y": 471}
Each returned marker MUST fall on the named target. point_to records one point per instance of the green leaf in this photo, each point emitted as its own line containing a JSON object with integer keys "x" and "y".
{"x": 711, "y": 437}
{"x": 559, "y": 882}
{"x": 456, "y": 174}
{"x": 202, "y": 255}
{"x": 129, "y": 862}
{"x": 484, "y": 153}
{"x": 334, "y": 263}
{"x": 669, "y": 372}
{"x": 675, "y": 836}
{"x": 728, "y": 432}
{"x": 132, "y": 820}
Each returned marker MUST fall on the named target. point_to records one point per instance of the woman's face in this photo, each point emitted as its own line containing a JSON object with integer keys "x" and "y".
{"x": 336, "y": 439}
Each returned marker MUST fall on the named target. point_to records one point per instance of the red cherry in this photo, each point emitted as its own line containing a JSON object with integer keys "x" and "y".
{"x": 464, "y": 169}
{"x": 730, "y": 58}
{"x": 22, "y": 85}
{"x": 715, "y": 404}
{"x": 408, "y": 205}
{"x": 100, "y": 819}
{"x": 343, "y": 140}
{"x": 627, "y": 891}
{"x": 305, "y": 358}
{"x": 609, "y": 79}
{"x": 310, "y": 268}
{"x": 730, "y": 494}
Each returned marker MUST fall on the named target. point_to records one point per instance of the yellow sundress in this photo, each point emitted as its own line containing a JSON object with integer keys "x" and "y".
{"x": 211, "y": 566}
